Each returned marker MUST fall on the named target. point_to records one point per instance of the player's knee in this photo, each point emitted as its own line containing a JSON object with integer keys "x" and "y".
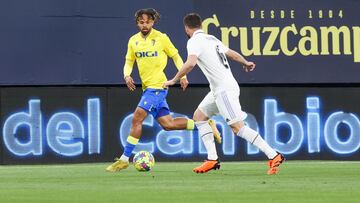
{"x": 199, "y": 116}
{"x": 236, "y": 127}
{"x": 136, "y": 121}
{"x": 168, "y": 126}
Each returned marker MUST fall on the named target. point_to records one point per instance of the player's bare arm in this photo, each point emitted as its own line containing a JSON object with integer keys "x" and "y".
{"x": 184, "y": 83}
{"x": 178, "y": 62}
{"x": 235, "y": 56}
{"x": 187, "y": 67}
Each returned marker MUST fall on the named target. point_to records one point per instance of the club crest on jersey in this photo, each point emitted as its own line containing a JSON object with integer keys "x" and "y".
{"x": 142, "y": 54}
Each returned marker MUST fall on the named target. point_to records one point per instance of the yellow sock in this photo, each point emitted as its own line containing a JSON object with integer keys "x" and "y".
{"x": 190, "y": 124}
{"x": 132, "y": 140}
{"x": 130, "y": 145}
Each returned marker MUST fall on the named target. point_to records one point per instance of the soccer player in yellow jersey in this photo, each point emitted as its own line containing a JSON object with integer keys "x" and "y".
{"x": 150, "y": 49}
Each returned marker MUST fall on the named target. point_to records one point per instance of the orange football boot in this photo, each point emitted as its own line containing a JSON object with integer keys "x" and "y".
{"x": 275, "y": 163}
{"x": 207, "y": 166}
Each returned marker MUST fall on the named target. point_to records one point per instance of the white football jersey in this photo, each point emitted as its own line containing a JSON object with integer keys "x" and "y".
{"x": 212, "y": 61}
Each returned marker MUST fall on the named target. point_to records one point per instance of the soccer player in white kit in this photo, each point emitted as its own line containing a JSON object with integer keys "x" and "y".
{"x": 210, "y": 54}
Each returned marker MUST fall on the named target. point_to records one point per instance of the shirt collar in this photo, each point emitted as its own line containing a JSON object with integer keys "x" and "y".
{"x": 151, "y": 32}
{"x": 198, "y": 31}
{"x": 149, "y": 35}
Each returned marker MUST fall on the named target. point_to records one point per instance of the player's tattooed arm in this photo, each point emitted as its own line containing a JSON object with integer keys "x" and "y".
{"x": 186, "y": 68}
{"x": 235, "y": 56}
{"x": 179, "y": 63}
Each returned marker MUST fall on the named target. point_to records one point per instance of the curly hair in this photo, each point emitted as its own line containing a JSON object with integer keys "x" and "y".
{"x": 150, "y": 12}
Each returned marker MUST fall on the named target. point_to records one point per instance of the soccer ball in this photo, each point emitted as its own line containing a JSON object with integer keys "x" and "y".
{"x": 144, "y": 161}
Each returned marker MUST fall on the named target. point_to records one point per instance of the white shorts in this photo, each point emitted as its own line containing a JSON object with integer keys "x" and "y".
{"x": 226, "y": 104}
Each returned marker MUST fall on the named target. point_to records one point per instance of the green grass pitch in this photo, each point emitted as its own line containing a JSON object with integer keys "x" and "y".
{"x": 298, "y": 181}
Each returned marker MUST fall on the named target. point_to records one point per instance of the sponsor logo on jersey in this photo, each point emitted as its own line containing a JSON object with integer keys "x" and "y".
{"x": 142, "y": 54}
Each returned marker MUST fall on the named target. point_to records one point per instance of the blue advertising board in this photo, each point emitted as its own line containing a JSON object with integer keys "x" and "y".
{"x": 91, "y": 124}
{"x": 84, "y": 42}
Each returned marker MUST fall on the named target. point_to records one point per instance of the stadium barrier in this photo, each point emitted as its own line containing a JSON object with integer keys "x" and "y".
{"x": 90, "y": 124}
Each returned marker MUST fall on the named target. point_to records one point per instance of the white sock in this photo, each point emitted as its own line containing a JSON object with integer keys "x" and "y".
{"x": 207, "y": 136}
{"x": 124, "y": 158}
{"x": 254, "y": 138}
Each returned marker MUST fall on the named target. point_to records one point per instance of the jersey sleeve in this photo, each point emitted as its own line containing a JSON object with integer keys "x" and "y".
{"x": 193, "y": 48}
{"x": 130, "y": 55}
{"x": 178, "y": 61}
{"x": 129, "y": 60}
{"x": 222, "y": 46}
{"x": 169, "y": 47}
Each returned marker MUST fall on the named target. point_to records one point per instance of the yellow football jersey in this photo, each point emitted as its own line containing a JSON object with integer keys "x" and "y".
{"x": 151, "y": 55}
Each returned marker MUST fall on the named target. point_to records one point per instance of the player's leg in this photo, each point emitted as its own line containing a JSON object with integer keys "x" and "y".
{"x": 207, "y": 136}
{"x": 229, "y": 107}
{"x": 250, "y": 135}
{"x": 181, "y": 123}
{"x": 135, "y": 134}
{"x": 144, "y": 107}
{"x": 206, "y": 109}
{"x": 170, "y": 123}
{"x": 162, "y": 114}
